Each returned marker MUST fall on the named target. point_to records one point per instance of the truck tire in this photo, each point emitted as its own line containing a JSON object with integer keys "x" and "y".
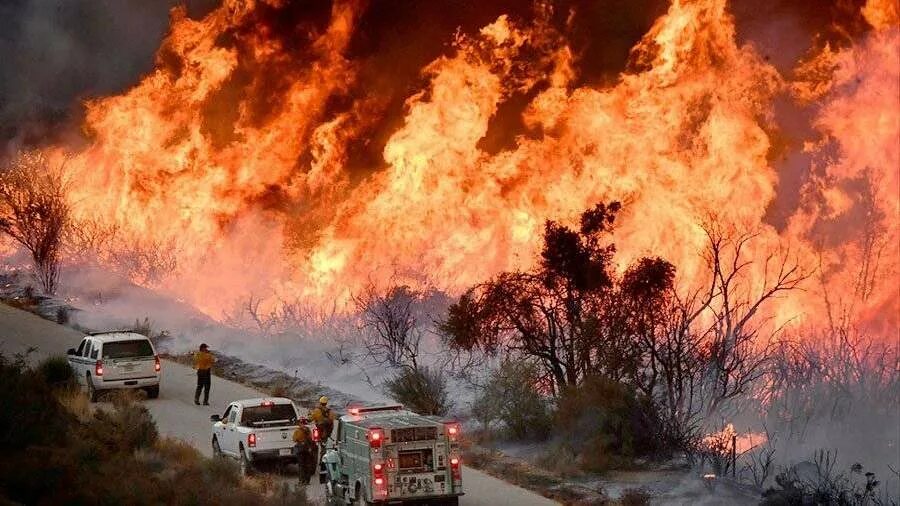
{"x": 244, "y": 463}
{"x": 92, "y": 392}
{"x": 216, "y": 449}
{"x": 152, "y": 392}
{"x": 358, "y": 499}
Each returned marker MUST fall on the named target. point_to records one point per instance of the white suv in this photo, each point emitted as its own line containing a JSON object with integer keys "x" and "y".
{"x": 108, "y": 360}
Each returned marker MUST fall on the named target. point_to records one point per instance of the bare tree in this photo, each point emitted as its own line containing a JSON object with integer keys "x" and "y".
{"x": 275, "y": 316}
{"x": 144, "y": 260}
{"x": 392, "y": 332}
{"x": 90, "y": 240}
{"x": 741, "y": 337}
{"x": 34, "y": 212}
{"x": 761, "y": 465}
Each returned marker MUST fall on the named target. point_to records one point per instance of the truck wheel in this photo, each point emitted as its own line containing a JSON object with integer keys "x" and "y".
{"x": 245, "y": 466}
{"x": 217, "y": 450}
{"x": 152, "y": 392}
{"x": 92, "y": 392}
{"x": 359, "y": 500}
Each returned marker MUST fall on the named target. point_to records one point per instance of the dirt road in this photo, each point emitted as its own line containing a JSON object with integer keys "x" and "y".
{"x": 177, "y": 416}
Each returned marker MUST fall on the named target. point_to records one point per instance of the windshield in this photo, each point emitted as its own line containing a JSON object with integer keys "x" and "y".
{"x": 269, "y": 415}
{"x": 127, "y": 349}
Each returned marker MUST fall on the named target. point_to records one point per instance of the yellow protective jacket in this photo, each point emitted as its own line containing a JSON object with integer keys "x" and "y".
{"x": 321, "y": 416}
{"x": 302, "y": 435}
{"x": 203, "y": 360}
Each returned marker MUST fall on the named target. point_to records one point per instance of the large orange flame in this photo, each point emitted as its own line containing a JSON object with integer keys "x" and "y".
{"x": 228, "y": 150}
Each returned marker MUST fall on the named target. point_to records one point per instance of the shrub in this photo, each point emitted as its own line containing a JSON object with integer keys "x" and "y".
{"x": 113, "y": 457}
{"x": 512, "y": 397}
{"x": 30, "y": 413}
{"x": 607, "y": 424}
{"x": 76, "y": 402}
{"x": 421, "y": 390}
{"x": 818, "y": 482}
{"x": 126, "y": 428}
{"x": 56, "y": 372}
{"x": 143, "y": 327}
{"x": 62, "y": 315}
{"x": 634, "y": 497}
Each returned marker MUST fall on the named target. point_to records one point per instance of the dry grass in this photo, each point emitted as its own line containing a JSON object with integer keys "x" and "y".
{"x": 561, "y": 461}
{"x": 527, "y": 476}
{"x": 126, "y": 397}
{"x": 177, "y": 451}
{"x": 76, "y": 402}
{"x": 634, "y": 497}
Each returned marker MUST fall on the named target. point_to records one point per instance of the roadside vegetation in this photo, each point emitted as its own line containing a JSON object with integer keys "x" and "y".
{"x": 625, "y": 369}
{"x": 57, "y": 450}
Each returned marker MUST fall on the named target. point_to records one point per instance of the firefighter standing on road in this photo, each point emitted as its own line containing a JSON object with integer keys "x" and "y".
{"x": 305, "y": 450}
{"x": 323, "y": 417}
{"x": 203, "y": 362}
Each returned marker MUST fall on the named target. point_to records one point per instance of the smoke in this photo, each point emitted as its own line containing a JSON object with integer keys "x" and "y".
{"x": 55, "y": 52}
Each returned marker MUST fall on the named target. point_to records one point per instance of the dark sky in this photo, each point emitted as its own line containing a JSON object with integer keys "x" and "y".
{"x": 54, "y": 51}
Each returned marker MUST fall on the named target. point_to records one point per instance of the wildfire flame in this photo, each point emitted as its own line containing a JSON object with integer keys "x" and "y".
{"x": 228, "y": 147}
{"x": 728, "y": 439}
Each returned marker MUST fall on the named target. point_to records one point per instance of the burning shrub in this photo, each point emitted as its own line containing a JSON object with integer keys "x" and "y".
{"x": 512, "y": 397}
{"x": 422, "y": 390}
{"x": 606, "y": 424}
{"x": 35, "y": 213}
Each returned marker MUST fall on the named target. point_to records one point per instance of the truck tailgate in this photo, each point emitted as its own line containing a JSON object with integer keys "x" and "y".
{"x": 274, "y": 438}
{"x": 129, "y": 368}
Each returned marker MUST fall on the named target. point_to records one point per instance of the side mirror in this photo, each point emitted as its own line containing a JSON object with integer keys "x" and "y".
{"x": 215, "y": 418}
{"x": 71, "y": 351}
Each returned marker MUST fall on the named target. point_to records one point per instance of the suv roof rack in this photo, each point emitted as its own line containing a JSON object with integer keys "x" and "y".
{"x": 121, "y": 331}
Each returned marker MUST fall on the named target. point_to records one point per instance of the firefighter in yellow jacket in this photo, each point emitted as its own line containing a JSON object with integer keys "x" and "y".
{"x": 203, "y": 362}
{"x": 305, "y": 450}
{"x": 323, "y": 417}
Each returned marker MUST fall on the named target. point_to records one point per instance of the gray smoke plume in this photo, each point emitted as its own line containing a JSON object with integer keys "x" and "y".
{"x": 55, "y": 52}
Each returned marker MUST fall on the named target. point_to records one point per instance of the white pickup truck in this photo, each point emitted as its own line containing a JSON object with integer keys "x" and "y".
{"x": 256, "y": 430}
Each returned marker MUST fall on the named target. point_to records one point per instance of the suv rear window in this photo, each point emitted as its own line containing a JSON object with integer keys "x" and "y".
{"x": 127, "y": 349}
{"x": 268, "y": 415}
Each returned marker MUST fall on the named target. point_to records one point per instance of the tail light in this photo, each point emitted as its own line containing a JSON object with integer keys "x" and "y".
{"x": 98, "y": 368}
{"x": 251, "y": 440}
{"x": 456, "y": 470}
{"x": 453, "y": 431}
{"x": 375, "y": 437}
{"x": 156, "y": 366}
{"x": 378, "y": 479}
{"x": 315, "y": 435}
